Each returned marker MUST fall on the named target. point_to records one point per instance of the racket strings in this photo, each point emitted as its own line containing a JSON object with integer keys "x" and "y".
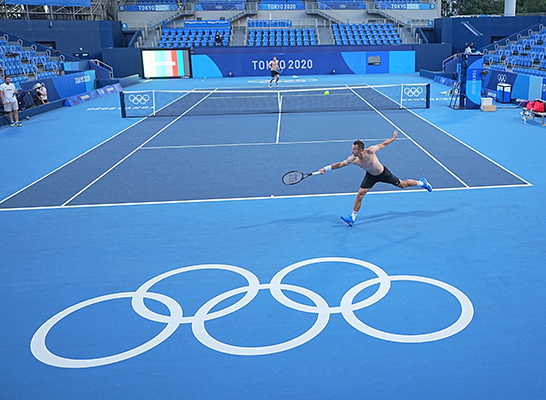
{"x": 292, "y": 177}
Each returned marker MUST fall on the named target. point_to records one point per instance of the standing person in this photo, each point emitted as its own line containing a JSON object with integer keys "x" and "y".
{"x": 366, "y": 159}
{"x": 9, "y": 101}
{"x": 274, "y": 66}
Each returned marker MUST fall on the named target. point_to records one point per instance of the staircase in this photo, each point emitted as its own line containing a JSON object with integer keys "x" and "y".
{"x": 324, "y": 36}
{"x": 238, "y": 37}
{"x": 312, "y": 8}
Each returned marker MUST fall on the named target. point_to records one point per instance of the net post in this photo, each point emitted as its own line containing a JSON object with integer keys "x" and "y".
{"x": 428, "y": 95}
{"x": 122, "y": 104}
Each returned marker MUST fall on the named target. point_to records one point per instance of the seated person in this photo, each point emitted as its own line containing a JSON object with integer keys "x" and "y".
{"x": 41, "y": 93}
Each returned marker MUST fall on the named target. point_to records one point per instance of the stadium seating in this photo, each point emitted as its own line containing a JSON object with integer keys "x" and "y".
{"x": 282, "y": 37}
{"x": 11, "y": 63}
{"x": 174, "y": 38}
{"x": 524, "y": 56}
{"x": 343, "y": 34}
{"x": 365, "y": 34}
{"x": 24, "y": 65}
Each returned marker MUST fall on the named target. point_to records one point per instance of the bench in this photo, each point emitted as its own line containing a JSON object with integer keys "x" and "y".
{"x": 539, "y": 114}
{"x": 529, "y": 114}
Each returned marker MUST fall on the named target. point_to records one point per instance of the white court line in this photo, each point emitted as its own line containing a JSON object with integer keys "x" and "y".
{"x": 400, "y": 191}
{"x": 251, "y": 144}
{"x": 132, "y": 152}
{"x": 471, "y": 148}
{"x": 76, "y": 158}
{"x": 192, "y": 146}
{"x": 414, "y": 142}
{"x": 448, "y": 134}
{"x": 71, "y": 161}
{"x": 279, "y": 117}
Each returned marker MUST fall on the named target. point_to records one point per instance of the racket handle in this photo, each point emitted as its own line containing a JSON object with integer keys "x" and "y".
{"x": 316, "y": 173}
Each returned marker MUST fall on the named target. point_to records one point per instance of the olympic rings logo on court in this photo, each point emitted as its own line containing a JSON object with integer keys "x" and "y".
{"x": 139, "y": 98}
{"x": 501, "y": 78}
{"x": 413, "y": 91}
{"x": 276, "y": 287}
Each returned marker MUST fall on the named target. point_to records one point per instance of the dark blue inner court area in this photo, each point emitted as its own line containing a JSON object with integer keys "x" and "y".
{"x": 189, "y": 158}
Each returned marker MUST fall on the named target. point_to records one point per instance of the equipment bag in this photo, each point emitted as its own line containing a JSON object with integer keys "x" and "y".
{"x": 538, "y": 106}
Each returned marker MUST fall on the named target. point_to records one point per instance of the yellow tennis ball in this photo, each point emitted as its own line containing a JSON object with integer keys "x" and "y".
{"x": 326, "y": 93}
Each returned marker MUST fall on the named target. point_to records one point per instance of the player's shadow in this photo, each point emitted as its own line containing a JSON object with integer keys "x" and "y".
{"x": 308, "y": 219}
{"x": 398, "y": 214}
{"x": 365, "y": 219}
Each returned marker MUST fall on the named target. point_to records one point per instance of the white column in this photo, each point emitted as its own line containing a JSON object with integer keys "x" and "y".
{"x": 509, "y": 8}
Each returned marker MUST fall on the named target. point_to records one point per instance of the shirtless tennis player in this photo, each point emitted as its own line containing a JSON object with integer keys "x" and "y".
{"x": 274, "y": 66}
{"x": 366, "y": 159}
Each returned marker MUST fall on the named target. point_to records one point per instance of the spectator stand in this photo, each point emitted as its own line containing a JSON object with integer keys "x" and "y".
{"x": 25, "y": 61}
{"x": 521, "y": 53}
{"x": 365, "y": 34}
{"x": 28, "y": 63}
{"x": 145, "y": 18}
{"x": 194, "y": 33}
{"x": 279, "y": 33}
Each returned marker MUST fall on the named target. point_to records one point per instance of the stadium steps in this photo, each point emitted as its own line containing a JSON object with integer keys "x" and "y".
{"x": 238, "y": 36}
{"x": 324, "y": 36}
{"x": 312, "y": 8}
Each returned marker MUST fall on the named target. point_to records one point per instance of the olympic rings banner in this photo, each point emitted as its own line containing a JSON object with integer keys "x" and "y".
{"x": 525, "y": 87}
{"x": 276, "y": 287}
{"x": 92, "y": 95}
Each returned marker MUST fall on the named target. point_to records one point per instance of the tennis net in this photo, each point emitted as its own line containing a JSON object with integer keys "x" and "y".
{"x": 167, "y": 103}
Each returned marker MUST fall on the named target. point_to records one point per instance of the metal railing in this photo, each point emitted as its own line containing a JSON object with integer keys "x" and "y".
{"x": 516, "y": 36}
{"x": 235, "y": 14}
{"x": 325, "y": 12}
{"x": 149, "y": 25}
{"x": 105, "y": 66}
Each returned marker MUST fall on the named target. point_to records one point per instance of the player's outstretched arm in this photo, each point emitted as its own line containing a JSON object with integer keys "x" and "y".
{"x": 386, "y": 142}
{"x": 334, "y": 166}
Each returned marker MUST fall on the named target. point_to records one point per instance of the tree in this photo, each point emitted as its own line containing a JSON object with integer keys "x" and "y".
{"x": 451, "y": 8}
{"x": 448, "y": 8}
{"x": 527, "y": 6}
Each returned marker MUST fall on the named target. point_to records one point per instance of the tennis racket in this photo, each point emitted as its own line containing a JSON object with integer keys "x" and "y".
{"x": 293, "y": 177}
{"x": 279, "y": 70}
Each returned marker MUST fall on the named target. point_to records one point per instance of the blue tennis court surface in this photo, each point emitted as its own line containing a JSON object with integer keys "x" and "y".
{"x": 163, "y": 257}
{"x": 242, "y": 156}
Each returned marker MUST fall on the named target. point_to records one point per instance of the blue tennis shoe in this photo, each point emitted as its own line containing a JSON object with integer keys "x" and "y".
{"x": 349, "y": 220}
{"x": 426, "y": 185}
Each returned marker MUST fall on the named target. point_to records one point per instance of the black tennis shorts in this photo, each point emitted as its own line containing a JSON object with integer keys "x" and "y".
{"x": 385, "y": 176}
{"x": 274, "y": 73}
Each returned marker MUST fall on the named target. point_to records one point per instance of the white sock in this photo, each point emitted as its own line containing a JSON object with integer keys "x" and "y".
{"x": 420, "y": 183}
{"x": 353, "y": 215}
